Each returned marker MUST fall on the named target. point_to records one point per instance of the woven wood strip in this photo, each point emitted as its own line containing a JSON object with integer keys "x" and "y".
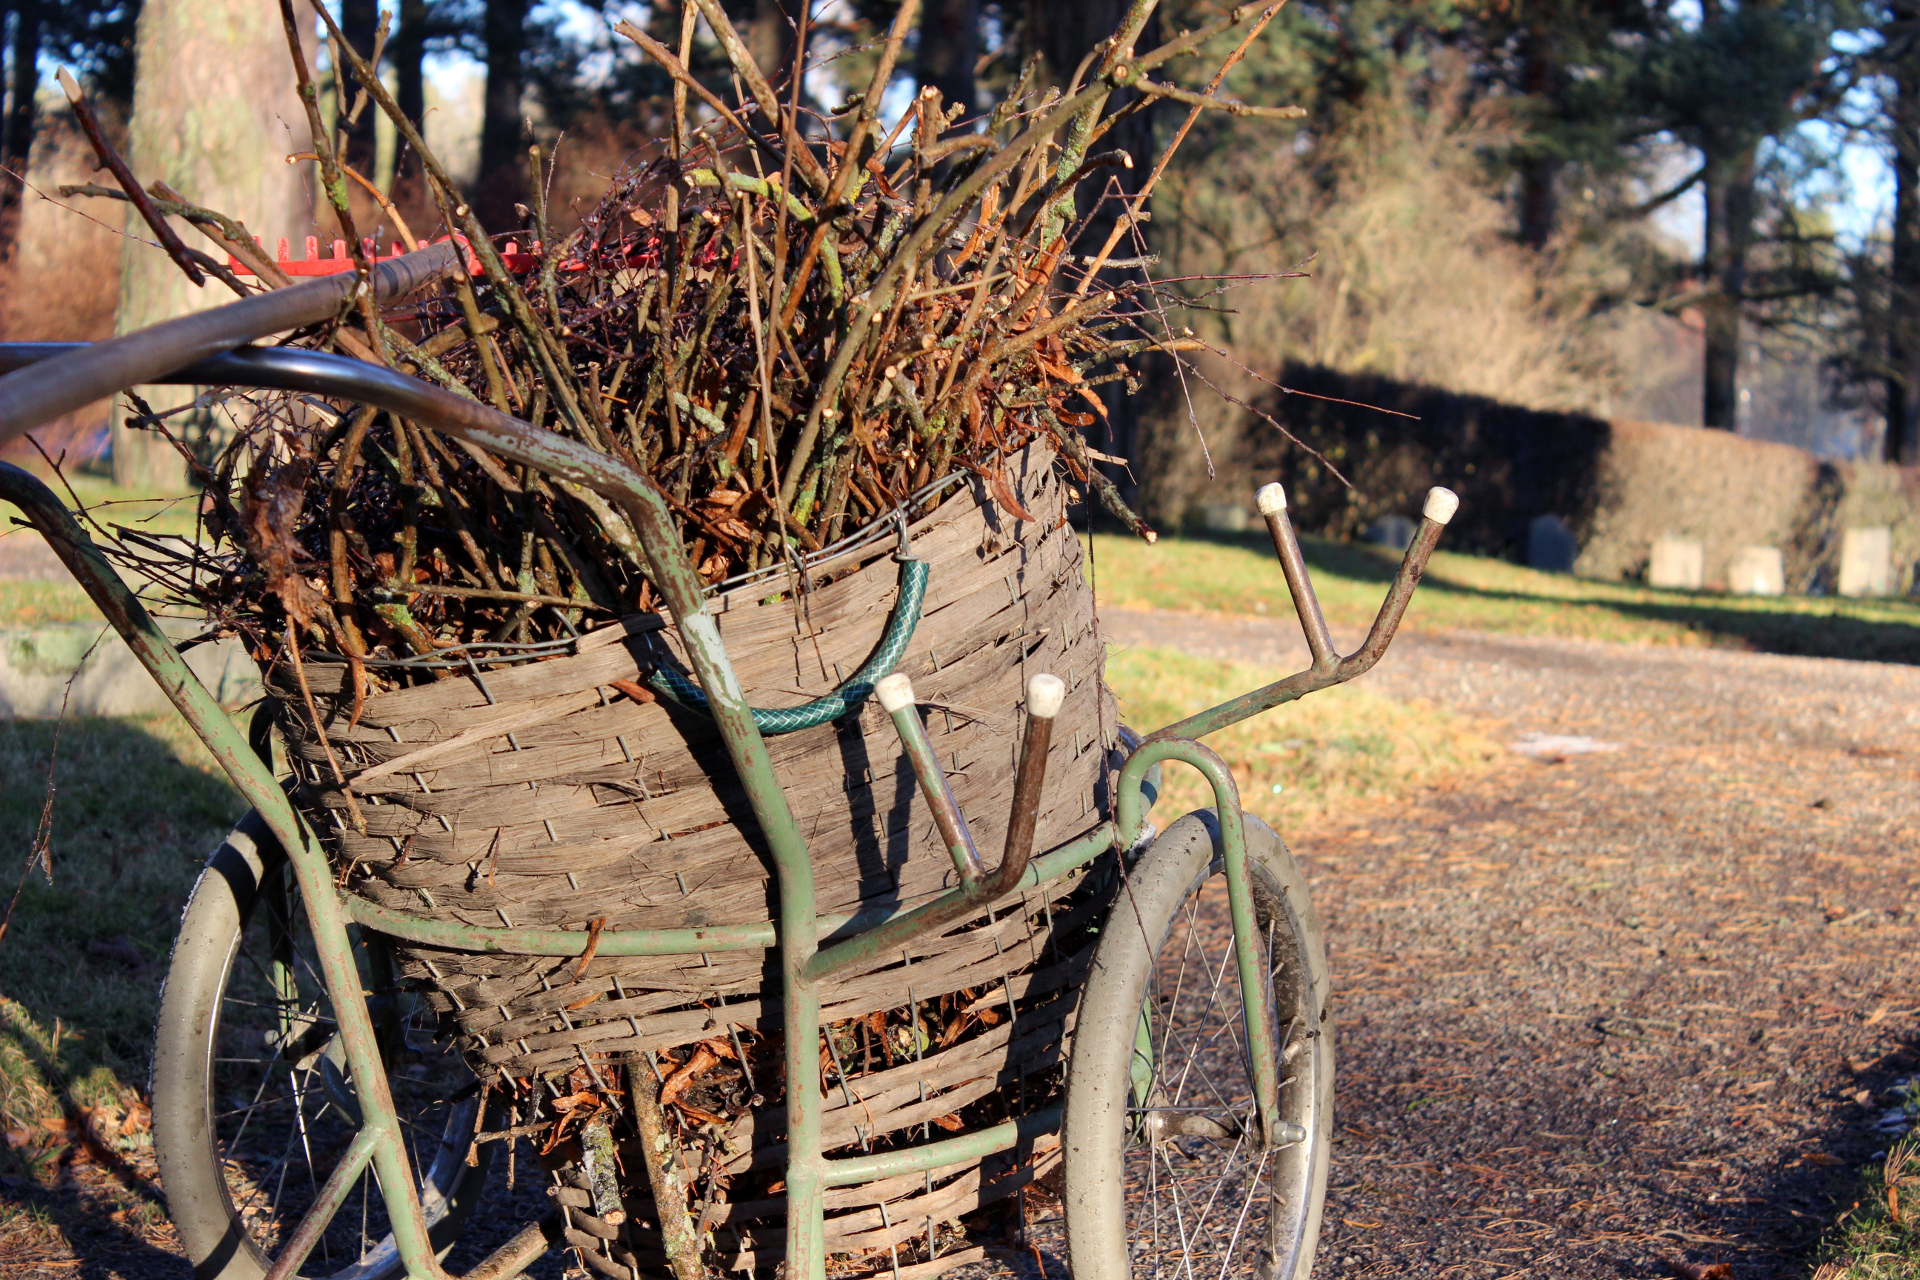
{"x": 500, "y": 1039}
{"x": 597, "y": 807}
{"x": 957, "y": 1190}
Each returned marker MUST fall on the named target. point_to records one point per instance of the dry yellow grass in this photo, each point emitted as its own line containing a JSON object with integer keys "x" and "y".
{"x": 1307, "y": 760}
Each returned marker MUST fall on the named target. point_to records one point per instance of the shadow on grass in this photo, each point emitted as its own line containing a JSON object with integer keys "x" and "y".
{"x": 136, "y": 809}
{"x": 1801, "y": 1204}
{"x": 87, "y": 1195}
{"x": 132, "y": 816}
{"x": 1791, "y": 627}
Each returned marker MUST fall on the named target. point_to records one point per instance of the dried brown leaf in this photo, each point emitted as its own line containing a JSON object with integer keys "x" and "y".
{"x": 1701, "y": 1270}
{"x": 1005, "y": 495}
{"x": 702, "y": 1058}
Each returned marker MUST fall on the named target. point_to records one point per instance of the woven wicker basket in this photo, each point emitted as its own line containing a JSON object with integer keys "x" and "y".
{"x": 538, "y": 796}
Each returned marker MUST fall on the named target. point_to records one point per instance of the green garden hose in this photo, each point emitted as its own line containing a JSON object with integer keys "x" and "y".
{"x": 899, "y": 632}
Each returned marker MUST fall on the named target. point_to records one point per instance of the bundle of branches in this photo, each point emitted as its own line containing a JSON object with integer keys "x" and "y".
{"x": 792, "y": 323}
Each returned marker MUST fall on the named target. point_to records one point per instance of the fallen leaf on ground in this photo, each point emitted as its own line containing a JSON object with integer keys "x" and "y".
{"x": 138, "y": 1120}
{"x": 1702, "y": 1270}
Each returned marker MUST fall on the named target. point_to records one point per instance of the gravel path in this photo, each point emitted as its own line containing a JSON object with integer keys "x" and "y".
{"x": 1603, "y": 1010}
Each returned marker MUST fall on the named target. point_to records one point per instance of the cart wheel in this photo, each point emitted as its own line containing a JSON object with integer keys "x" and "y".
{"x": 1164, "y": 1171}
{"x": 252, "y": 1107}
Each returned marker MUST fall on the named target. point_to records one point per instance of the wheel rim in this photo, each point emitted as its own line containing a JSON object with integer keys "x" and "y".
{"x": 281, "y": 1109}
{"x": 1206, "y": 1198}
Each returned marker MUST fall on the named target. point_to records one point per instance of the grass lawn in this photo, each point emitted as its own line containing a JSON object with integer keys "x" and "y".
{"x": 31, "y": 603}
{"x": 44, "y": 604}
{"x": 137, "y": 804}
{"x": 150, "y": 510}
{"x": 1475, "y": 593}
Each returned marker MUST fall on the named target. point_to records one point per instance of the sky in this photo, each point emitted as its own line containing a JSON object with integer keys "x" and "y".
{"x": 1859, "y": 198}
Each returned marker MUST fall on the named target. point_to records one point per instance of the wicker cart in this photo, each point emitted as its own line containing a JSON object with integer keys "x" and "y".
{"x": 725, "y": 986}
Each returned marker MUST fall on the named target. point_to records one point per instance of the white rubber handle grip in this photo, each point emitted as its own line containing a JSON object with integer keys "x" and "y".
{"x": 1045, "y": 694}
{"x": 894, "y": 691}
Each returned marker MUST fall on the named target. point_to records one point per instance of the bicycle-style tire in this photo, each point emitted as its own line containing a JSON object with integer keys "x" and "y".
{"x": 210, "y": 1008}
{"x": 1170, "y": 1184}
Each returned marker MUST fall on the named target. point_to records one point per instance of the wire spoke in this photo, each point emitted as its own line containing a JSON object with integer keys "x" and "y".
{"x": 1202, "y": 1205}
{"x": 1239, "y": 1223}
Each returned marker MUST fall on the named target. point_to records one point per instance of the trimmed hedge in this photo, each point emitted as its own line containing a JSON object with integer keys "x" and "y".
{"x": 1618, "y": 484}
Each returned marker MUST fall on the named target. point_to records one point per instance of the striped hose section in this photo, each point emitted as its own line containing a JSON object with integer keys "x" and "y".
{"x": 900, "y": 626}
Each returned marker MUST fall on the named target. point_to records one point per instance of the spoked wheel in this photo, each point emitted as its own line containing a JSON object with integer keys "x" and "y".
{"x": 1167, "y": 1171}
{"x": 253, "y": 1105}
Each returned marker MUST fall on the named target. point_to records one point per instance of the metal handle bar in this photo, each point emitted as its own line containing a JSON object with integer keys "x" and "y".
{"x": 978, "y": 886}
{"x": 318, "y": 373}
{"x": 478, "y": 424}
{"x": 1328, "y": 668}
{"x": 31, "y": 397}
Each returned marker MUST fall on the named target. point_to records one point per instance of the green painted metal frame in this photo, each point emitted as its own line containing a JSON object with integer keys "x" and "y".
{"x": 1177, "y": 742}
{"x": 329, "y": 911}
{"x": 254, "y": 780}
{"x": 799, "y": 931}
{"x": 1131, "y": 821}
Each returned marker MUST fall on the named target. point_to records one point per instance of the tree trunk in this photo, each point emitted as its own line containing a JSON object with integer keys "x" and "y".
{"x": 407, "y": 51}
{"x": 1728, "y": 184}
{"x": 360, "y": 25}
{"x": 1539, "y": 201}
{"x": 1539, "y": 171}
{"x": 770, "y": 38}
{"x": 1903, "y": 293}
{"x": 1064, "y": 34}
{"x": 949, "y": 48}
{"x": 501, "y": 181}
{"x": 16, "y": 144}
{"x": 215, "y": 114}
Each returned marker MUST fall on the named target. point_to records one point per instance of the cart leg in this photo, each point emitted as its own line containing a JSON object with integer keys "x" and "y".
{"x": 378, "y": 1116}
{"x": 1247, "y": 956}
{"x": 1265, "y": 1063}
{"x": 806, "y": 1172}
{"x": 257, "y": 785}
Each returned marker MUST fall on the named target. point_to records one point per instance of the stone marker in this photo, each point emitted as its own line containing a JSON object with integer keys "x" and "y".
{"x": 1551, "y": 545}
{"x": 1677, "y": 562}
{"x": 1866, "y": 562}
{"x": 1223, "y": 517}
{"x": 1391, "y": 531}
{"x": 1757, "y": 571}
